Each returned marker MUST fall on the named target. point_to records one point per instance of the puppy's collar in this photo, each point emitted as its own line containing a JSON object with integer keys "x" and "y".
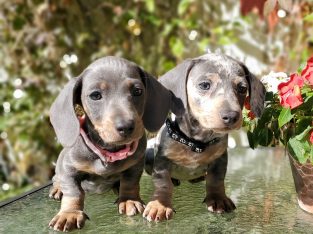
{"x": 176, "y": 134}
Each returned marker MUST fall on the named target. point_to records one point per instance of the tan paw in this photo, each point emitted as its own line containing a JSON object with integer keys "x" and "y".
{"x": 219, "y": 204}
{"x": 155, "y": 211}
{"x": 68, "y": 220}
{"x": 130, "y": 207}
{"x": 55, "y": 193}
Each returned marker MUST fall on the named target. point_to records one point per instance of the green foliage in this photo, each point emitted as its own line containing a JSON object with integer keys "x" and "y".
{"x": 284, "y": 121}
{"x": 308, "y": 17}
{"x": 284, "y": 117}
{"x": 299, "y": 146}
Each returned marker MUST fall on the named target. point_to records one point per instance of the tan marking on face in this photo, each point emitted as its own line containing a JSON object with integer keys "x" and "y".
{"x": 104, "y": 85}
{"x": 107, "y": 131}
{"x": 72, "y": 203}
{"x": 237, "y": 79}
{"x": 130, "y": 82}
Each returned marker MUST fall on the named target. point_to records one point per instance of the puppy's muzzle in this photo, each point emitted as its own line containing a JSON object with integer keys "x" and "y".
{"x": 229, "y": 118}
{"x": 124, "y": 127}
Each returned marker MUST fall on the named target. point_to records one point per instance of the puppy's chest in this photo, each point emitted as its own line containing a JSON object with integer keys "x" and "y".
{"x": 187, "y": 173}
{"x": 95, "y": 166}
{"x": 188, "y": 164}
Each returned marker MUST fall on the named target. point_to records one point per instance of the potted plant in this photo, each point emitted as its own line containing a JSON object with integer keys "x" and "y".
{"x": 288, "y": 120}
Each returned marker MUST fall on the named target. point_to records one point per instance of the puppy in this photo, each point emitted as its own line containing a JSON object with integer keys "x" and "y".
{"x": 104, "y": 146}
{"x": 193, "y": 147}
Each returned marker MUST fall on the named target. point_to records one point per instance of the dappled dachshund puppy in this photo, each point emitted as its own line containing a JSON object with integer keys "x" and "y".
{"x": 193, "y": 147}
{"x": 104, "y": 146}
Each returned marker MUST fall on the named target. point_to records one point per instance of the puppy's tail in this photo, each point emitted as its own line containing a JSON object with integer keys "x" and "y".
{"x": 149, "y": 160}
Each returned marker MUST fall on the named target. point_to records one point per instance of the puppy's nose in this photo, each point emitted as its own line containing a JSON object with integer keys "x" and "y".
{"x": 229, "y": 117}
{"x": 125, "y": 128}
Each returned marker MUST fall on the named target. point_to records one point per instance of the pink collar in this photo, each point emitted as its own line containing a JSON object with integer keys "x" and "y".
{"x": 106, "y": 155}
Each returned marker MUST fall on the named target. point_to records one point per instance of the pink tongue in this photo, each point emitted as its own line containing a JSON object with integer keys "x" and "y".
{"x": 119, "y": 155}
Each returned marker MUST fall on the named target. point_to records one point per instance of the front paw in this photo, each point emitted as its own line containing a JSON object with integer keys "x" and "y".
{"x": 55, "y": 193}
{"x": 155, "y": 211}
{"x": 219, "y": 204}
{"x": 68, "y": 220}
{"x": 130, "y": 207}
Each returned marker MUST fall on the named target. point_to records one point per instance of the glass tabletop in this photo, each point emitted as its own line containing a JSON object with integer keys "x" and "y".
{"x": 258, "y": 181}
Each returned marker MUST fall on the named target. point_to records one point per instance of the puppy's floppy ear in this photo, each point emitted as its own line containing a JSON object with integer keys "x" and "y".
{"x": 176, "y": 80}
{"x": 256, "y": 91}
{"x": 62, "y": 113}
{"x": 159, "y": 101}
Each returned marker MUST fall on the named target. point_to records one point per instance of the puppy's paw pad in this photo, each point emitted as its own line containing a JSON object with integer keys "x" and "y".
{"x": 68, "y": 220}
{"x": 219, "y": 204}
{"x": 155, "y": 211}
{"x": 131, "y": 207}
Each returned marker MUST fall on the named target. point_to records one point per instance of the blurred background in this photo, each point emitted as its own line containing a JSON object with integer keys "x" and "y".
{"x": 44, "y": 43}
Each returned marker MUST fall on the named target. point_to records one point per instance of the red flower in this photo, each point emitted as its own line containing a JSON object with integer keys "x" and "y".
{"x": 307, "y": 72}
{"x": 311, "y": 137}
{"x": 251, "y": 115}
{"x": 290, "y": 95}
{"x": 247, "y": 103}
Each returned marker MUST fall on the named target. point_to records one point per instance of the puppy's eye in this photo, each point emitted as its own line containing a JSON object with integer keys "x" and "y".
{"x": 205, "y": 85}
{"x": 96, "y": 95}
{"x": 136, "y": 92}
{"x": 241, "y": 88}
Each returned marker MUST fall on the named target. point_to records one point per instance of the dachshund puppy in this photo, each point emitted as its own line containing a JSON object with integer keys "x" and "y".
{"x": 193, "y": 147}
{"x": 104, "y": 147}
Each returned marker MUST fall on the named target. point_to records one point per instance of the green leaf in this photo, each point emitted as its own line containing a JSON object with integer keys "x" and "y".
{"x": 150, "y": 5}
{"x": 308, "y": 17}
{"x": 297, "y": 149}
{"x": 224, "y": 40}
{"x": 183, "y": 6}
{"x": 302, "y": 124}
{"x": 251, "y": 140}
{"x": 177, "y": 46}
{"x": 168, "y": 65}
{"x": 308, "y": 102}
{"x": 284, "y": 117}
{"x": 304, "y": 134}
{"x": 266, "y": 117}
{"x": 203, "y": 44}
{"x": 265, "y": 137}
{"x": 18, "y": 23}
{"x": 2, "y": 123}
{"x": 269, "y": 96}
{"x": 167, "y": 29}
{"x": 218, "y": 30}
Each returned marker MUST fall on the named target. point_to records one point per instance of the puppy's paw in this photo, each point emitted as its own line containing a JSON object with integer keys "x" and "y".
{"x": 68, "y": 220}
{"x": 219, "y": 204}
{"x": 155, "y": 211}
{"x": 55, "y": 193}
{"x": 131, "y": 207}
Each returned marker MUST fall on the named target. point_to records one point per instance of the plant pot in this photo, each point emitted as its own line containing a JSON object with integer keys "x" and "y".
{"x": 303, "y": 179}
